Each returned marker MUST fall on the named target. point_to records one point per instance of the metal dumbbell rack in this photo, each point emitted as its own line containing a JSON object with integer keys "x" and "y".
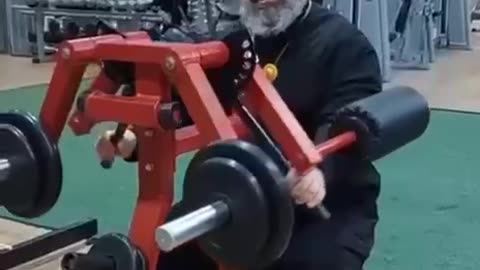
{"x": 130, "y": 20}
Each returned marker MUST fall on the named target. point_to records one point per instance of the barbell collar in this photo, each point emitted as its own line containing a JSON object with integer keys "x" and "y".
{"x": 191, "y": 226}
{"x": 76, "y": 261}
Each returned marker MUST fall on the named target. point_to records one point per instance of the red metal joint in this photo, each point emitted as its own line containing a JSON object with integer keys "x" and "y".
{"x": 140, "y": 110}
{"x": 213, "y": 54}
{"x": 170, "y": 115}
{"x": 80, "y": 124}
{"x": 83, "y": 49}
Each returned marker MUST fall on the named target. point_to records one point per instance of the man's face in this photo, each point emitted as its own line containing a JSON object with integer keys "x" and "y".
{"x": 269, "y": 17}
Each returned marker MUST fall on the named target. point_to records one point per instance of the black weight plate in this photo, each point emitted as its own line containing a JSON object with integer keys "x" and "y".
{"x": 119, "y": 248}
{"x": 49, "y": 163}
{"x": 275, "y": 188}
{"x": 243, "y": 237}
{"x": 141, "y": 261}
{"x": 19, "y": 179}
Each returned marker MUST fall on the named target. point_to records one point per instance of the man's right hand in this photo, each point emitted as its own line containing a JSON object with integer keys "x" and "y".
{"x": 308, "y": 189}
{"x": 124, "y": 148}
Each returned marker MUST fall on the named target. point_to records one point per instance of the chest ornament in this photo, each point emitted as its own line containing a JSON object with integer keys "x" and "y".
{"x": 271, "y": 71}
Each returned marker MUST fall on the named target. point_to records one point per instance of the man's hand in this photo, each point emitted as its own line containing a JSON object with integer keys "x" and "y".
{"x": 125, "y": 147}
{"x": 308, "y": 189}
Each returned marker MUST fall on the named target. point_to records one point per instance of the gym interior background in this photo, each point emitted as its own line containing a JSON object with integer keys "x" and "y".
{"x": 429, "y": 197}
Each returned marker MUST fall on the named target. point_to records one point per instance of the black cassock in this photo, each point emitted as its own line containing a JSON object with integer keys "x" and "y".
{"x": 323, "y": 63}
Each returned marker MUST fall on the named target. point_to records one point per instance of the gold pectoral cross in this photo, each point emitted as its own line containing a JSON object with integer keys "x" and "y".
{"x": 271, "y": 72}
{"x": 271, "y": 69}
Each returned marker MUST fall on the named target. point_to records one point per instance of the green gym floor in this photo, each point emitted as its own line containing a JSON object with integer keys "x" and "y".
{"x": 428, "y": 202}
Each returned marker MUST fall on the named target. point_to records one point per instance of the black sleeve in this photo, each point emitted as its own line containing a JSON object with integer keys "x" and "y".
{"x": 355, "y": 73}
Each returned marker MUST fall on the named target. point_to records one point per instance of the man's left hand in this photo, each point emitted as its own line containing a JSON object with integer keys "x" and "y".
{"x": 308, "y": 189}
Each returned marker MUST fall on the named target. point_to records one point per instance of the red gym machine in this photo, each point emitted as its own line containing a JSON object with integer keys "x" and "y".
{"x": 151, "y": 112}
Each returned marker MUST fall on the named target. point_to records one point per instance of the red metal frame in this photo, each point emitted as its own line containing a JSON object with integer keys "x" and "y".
{"x": 158, "y": 67}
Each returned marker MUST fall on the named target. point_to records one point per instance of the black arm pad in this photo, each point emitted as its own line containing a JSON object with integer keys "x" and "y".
{"x": 383, "y": 122}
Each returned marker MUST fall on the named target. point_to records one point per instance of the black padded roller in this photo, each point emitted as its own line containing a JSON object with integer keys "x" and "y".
{"x": 384, "y": 122}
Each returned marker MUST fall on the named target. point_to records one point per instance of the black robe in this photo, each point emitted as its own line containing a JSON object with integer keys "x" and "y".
{"x": 328, "y": 63}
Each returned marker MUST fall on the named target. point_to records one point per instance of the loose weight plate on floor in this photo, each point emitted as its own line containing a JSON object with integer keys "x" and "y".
{"x": 45, "y": 181}
{"x": 204, "y": 178}
{"x": 120, "y": 250}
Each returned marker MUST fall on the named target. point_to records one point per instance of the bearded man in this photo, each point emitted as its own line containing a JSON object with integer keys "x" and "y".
{"x": 319, "y": 62}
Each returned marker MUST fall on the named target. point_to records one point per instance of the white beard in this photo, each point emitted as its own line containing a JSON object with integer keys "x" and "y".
{"x": 270, "y": 21}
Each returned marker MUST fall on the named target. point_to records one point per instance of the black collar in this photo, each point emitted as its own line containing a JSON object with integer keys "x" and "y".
{"x": 293, "y": 28}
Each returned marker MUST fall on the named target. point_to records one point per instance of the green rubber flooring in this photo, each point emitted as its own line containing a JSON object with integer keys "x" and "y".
{"x": 428, "y": 202}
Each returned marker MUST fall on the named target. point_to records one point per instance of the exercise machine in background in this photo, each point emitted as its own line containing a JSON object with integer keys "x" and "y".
{"x": 407, "y": 33}
{"x": 475, "y": 17}
{"x": 420, "y": 27}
